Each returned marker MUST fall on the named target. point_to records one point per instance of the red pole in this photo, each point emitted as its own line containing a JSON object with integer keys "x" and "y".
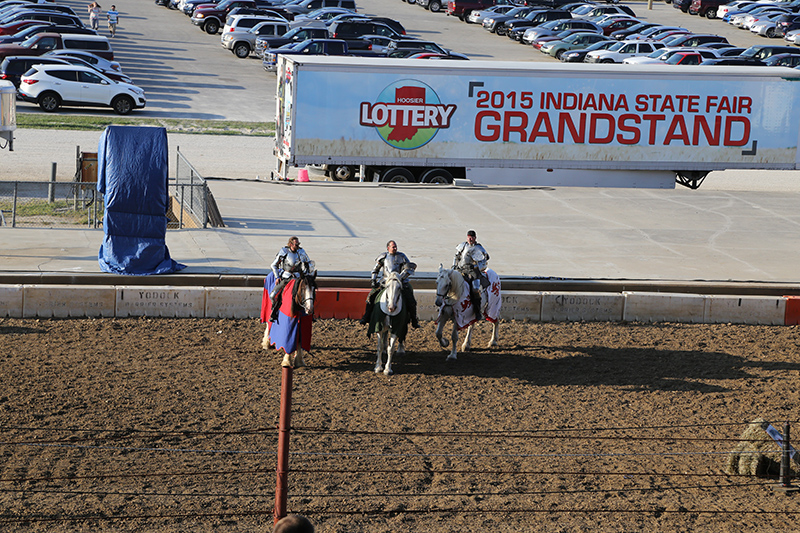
{"x": 284, "y": 426}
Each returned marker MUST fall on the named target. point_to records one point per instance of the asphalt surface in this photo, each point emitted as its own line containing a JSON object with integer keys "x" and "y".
{"x": 740, "y": 226}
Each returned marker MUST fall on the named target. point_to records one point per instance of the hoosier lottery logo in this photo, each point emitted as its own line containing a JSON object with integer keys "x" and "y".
{"x": 407, "y": 114}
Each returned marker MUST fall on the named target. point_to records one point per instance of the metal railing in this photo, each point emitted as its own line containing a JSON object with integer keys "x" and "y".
{"x": 50, "y": 204}
{"x": 78, "y": 203}
{"x": 190, "y": 191}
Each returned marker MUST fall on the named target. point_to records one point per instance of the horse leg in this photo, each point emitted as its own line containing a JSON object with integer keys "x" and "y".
{"x": 389, "y": 353}
{"x": 401, "y": 348}
{"x": 299, "y": 362}
{"x": 381, "y": 343}
{"x": 467, "y": 339}
{"x": 265, "y": 340}
{"x": 495, "y": 334}
{"x": 454, "y": 339}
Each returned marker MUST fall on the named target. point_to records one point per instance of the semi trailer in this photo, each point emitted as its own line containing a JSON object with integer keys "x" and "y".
{"x": 532, "y": 124}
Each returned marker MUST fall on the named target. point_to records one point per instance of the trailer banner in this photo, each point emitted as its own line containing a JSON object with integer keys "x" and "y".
{"x": 665, "y": 118}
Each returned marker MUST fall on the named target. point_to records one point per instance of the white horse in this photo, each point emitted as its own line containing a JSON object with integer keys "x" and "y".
{"x": 393, "y": 322}
{"x": 453, "y": 301}
{"x": 303, "y": 293}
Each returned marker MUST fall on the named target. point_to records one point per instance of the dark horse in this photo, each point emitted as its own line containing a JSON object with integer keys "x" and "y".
{"x": 292, "y": 331}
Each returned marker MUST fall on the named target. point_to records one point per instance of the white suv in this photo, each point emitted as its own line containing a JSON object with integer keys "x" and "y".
{"x": 622, "y": 50}
{"x": 52, "y": 86}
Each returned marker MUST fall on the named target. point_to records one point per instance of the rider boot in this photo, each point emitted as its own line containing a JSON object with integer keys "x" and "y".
{"x": 475, "y": 296}
{"x": 412, "y": 311}
{"x": 367, "y": 314}
{"x": 276, "y": 307}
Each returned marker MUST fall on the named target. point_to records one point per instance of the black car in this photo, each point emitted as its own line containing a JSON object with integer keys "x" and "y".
{"x": 683, "y": 5}
{"x": 355, "y": 29}
{"x": 621, "y": 35}
{"x": 13, "y": 67}
{"x": 577, "y": 56}
{"x": 534, "y": 18}
{"x": 762, "y": 52}
{"x": 295, "y": 35}
{"x": 787, "y": 23}
{"x": 39, "y": 28}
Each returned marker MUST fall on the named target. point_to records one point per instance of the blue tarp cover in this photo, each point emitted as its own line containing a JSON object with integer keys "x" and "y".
{"x": 132, "y": 166}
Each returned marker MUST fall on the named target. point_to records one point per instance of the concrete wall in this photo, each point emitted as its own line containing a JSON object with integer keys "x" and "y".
{"x": 65, "y": 301}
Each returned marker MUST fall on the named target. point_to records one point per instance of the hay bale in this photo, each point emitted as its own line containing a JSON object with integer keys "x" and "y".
{"x": 757, "y": 454}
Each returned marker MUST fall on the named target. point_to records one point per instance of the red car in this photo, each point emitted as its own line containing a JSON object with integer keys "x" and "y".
{"x": 14, "y": 27}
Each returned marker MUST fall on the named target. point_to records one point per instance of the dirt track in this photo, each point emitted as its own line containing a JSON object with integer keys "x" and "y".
{"x": 160, "y": 421}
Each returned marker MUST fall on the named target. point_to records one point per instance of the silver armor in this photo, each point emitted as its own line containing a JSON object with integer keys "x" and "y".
{"x": 289, "y": 264}
{"x": 469, "y": 256}
{"x": 397, "y": 262}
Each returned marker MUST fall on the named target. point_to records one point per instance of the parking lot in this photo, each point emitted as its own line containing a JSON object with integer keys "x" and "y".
{"x": 187, "y": 74}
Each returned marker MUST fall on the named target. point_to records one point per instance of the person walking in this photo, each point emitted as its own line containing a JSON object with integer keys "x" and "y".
{"x": 113, "y": 19}
{"x": 94, "y": 15}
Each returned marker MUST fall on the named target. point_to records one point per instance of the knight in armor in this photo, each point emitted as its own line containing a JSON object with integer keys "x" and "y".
{"x": 471, "y": 261}
{"x": 291, "y": 262}
{"x": 393, "y": 261}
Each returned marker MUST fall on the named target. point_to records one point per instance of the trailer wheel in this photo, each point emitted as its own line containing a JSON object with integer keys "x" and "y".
{"x": 343, "y": 173}
{"x": 437, "y": 176}
{"x": 398, "y": 175}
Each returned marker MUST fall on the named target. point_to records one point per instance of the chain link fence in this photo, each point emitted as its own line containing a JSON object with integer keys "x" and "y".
{"x": 78, "y": 203}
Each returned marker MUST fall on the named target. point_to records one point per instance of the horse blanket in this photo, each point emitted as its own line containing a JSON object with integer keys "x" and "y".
{"x": 398, "y": 323}
{"x": 464, "y": 316}
{"x": 288, "y": 331}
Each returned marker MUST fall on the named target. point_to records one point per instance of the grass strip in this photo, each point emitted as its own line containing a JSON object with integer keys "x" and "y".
{"x": 98, "y": 123}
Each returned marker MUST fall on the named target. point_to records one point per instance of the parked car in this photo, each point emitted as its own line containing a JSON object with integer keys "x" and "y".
{"x": 577, "y": 56}
{"x": 63, "y": 19}
{"x": 555, "y": 27}
{"x": 659, "y": 56}
{"x": 694, "y": 39}
{"x": 572, "y": 42}
{"x": 307, "y": 6}
{"x": 621, "y": 50}
{"x": 13, "y": 67}
{"x": 612, "y": 25}
{"x": 599, "y": 11}
{"x": 645, "y": 34}
{"x": 766, "y": 26}
{"x": 100, "y": 62}
{"x": 477, "y": 16}
{"x": 684, "y": 58}
{"x": 314, "y": 47}
{"x": 783, "y": 60}
{"x": 40, "y": 43}
{"x": 414, "y": 44}
{"x": 733, "y": 61}
{"x": 513, "y": 28}
{"x": 356, "y": 29}
{"x": 705, "y": 8}
{"x": 683, "y": 5}
{"x": 54, "y": 86}
{"x": 724, "y": 8}
{"x": 44, "y": 28}
{"x": 15, "y": 27}
{"x": 762, "y": 52}
{"x": 211, "y": 17}
{"x": 621, "y": 35}
{"x": 494, "y": 22}
{"x": 320, "y": 17}
{"x": 243, "y": 42}
{"x": 295, "y": 35}
{"x": 242, "y": 23}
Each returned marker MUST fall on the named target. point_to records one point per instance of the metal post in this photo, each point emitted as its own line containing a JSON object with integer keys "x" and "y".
{"x": 785, "y": 484}
{"x": 205, "y": 205}
{"x": 51, "y": 189}
{"x": 284, "y": 426}
{"x": 181, "y": 207}
{"x": 14, "y": 206}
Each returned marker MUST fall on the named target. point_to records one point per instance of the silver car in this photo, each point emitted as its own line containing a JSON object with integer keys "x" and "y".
{"x": 243, "y": 42}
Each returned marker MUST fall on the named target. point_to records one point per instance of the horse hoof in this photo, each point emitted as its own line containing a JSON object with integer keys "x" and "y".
{"x": 451, "y": 357}
{"x": 387, "y": 372}
{"x": 443, "y": 343}
{"x": 378, "y": 370}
